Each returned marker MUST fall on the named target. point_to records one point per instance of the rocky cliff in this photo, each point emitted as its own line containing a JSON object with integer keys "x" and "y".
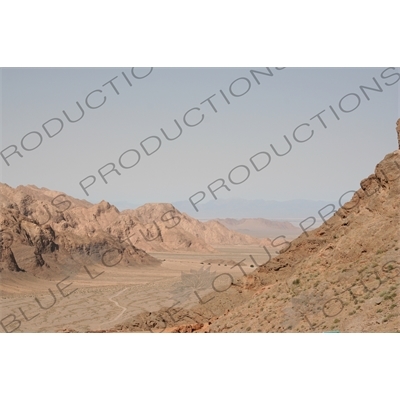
{"x": 44, "y": 232}
{"x": 343, "y": 276}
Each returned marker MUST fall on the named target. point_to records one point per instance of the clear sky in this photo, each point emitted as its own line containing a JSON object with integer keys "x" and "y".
{"x": 331, "y": 162}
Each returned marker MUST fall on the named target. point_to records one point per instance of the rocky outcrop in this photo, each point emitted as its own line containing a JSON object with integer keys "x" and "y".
{"x": 344, "y": 275}
{"x": 7, "y": 259}
{"x": 49, "y": 231}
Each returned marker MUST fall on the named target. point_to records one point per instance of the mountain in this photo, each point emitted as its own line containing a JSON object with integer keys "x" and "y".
{"x": 161, "y": 227}
{"x": 44, "y": 232}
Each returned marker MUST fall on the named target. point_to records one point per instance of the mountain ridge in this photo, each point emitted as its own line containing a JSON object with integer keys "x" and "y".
{"x": 43, "y": 231}
{"x": 290, "y": 210}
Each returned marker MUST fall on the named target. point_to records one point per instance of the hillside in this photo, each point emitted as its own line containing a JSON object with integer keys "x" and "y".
{"x": 345, "y": 275}
{"x": 39, "y": 238}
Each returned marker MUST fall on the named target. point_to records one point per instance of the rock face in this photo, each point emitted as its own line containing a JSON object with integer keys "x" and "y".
{"x": 367, "y": 224}
{"x": 7, "y": 259}
{"x": 44, "y": 232}
{"x": 344, "y": 275}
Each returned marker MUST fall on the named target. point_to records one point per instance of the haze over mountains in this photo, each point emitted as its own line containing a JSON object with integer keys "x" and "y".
{"x": 260, "y": 227}
{"x": 291, "y": 210}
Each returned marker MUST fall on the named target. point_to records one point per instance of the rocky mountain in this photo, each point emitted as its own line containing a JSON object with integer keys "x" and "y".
{"x": 161, "y": 227}
{"x": 44, "y": 232}
{"x": 345, "y": 275}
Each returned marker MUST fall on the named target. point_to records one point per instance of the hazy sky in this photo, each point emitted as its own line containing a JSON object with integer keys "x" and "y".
{"x": 331, "y": 162}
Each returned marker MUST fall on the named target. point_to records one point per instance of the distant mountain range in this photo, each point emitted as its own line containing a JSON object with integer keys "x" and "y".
{"x": 291, "y": 210}
{"x": 261, "y": 228}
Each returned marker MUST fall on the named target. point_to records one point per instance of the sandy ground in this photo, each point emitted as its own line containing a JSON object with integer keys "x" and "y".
{"x": 113, "y": 295}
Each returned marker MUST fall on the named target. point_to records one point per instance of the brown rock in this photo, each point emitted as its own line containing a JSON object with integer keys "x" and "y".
{"x": 47, "y": 242}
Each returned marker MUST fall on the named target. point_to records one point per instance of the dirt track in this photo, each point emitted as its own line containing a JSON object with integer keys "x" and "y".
{"x": 114, "y": 295}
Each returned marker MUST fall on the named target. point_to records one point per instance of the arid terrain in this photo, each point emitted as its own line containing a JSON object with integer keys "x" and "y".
{"x": 100, "y": 297}
{"x": 343, "y": 276}
{"x": 67, "y": 263}
{"x": 72, "y": 266}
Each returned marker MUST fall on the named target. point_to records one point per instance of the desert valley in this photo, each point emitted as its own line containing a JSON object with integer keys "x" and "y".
{"x": 67, "y": 265}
